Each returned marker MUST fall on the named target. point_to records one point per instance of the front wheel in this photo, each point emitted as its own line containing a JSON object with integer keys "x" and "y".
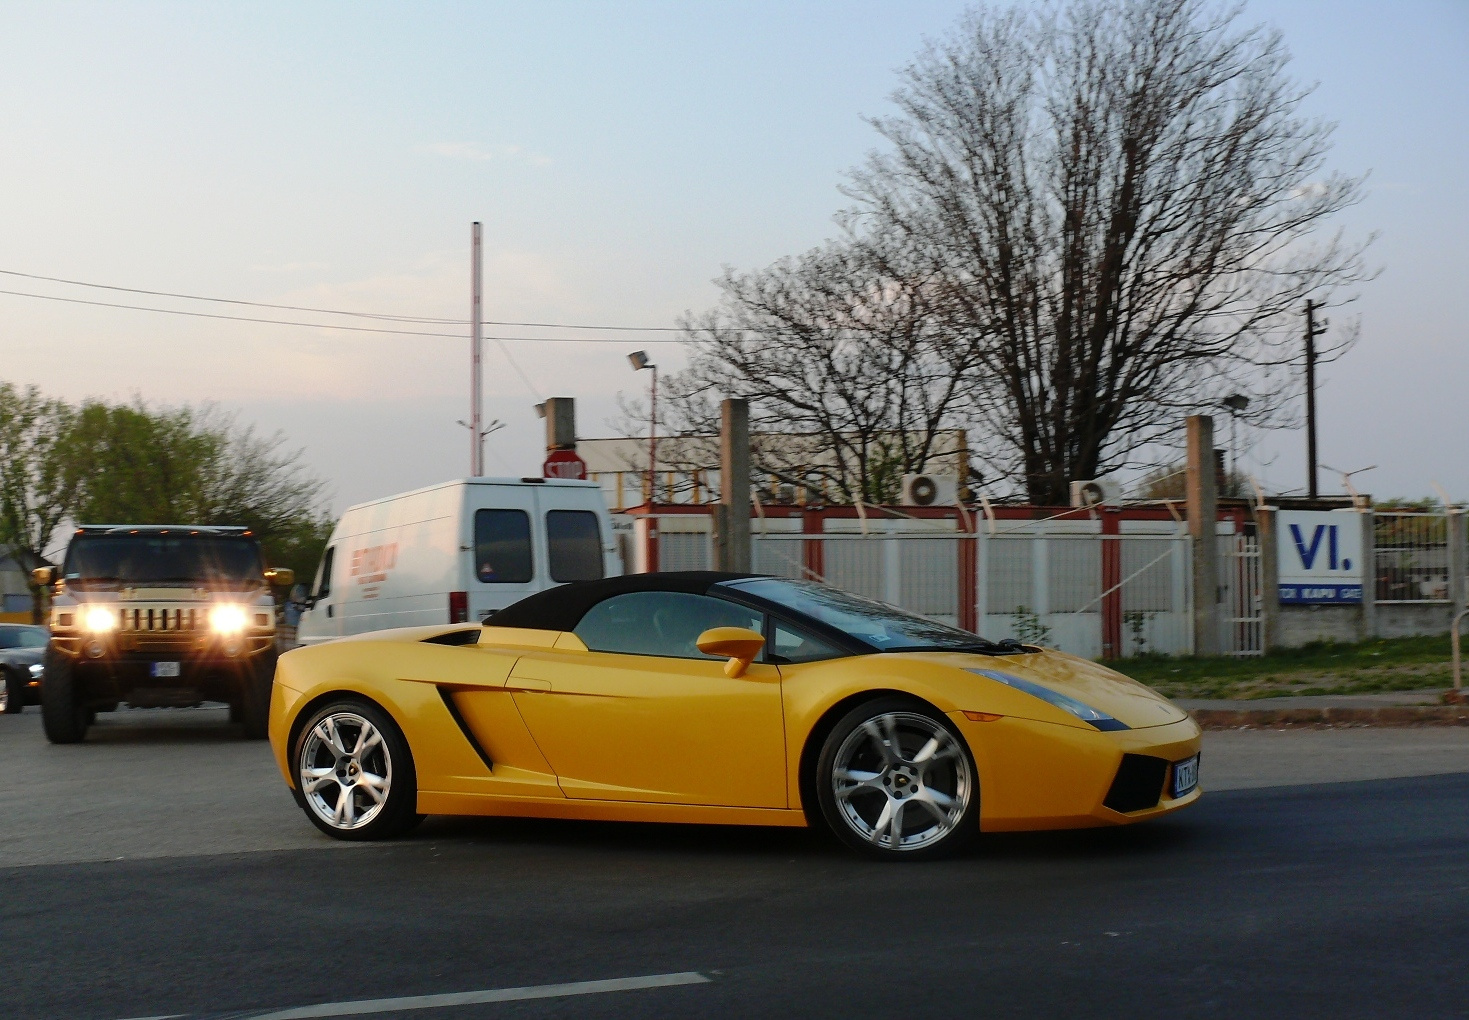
{"x": 354, "y": 772}
{"x": 64, "y": 714}
{"x": 251, "y": 705}
{"x": 896, "y": 781}
{"x": 12, "y": 692}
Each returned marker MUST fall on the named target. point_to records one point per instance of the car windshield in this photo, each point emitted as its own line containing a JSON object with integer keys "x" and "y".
{"x": 160, "y": 559}
{"x": 883, "y": 627}
{"x": 23, "y": 637}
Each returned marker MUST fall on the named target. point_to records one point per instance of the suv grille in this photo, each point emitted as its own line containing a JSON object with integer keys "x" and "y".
{"x": 151, "y": 619}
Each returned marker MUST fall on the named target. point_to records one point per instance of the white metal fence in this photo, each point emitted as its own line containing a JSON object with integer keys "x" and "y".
{"x": 1059, "y": 583}
{"x": 1412, "y": 556}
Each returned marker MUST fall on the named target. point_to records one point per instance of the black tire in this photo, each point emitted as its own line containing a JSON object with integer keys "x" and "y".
{"x": 251, "y": 709}
{"x": 64, "y": 714}
{"x": 15, "y": 692}
{"x": 397, "y": 811}
{"x": 941, "y": 783}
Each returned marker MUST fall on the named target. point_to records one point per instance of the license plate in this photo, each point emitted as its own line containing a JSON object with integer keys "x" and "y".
{"x": 1185, "y": 776}
{"x": 164, "y": 669}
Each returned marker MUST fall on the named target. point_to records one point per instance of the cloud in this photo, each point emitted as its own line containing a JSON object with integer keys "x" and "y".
{"x": 494, "y": 154}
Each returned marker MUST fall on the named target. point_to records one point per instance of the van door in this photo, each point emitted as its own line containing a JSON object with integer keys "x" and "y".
{"x": 322, "y": 620}
{"x": 507, "y": 555}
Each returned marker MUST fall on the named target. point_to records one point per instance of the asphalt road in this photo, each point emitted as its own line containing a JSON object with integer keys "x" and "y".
{"x": 1345, "y": 899}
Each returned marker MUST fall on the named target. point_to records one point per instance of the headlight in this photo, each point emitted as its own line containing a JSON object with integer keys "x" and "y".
{"x": 37, "y": 670}
{"x": 99, "y": 619}
{"x": 1101, "y": 720}
{"x": 227, "y": 619}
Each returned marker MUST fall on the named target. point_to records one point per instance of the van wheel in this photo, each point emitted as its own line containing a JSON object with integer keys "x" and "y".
{"x": 251, "y": 707}
{"x": 64, "y": 716}
{"x": 353, "y": 772}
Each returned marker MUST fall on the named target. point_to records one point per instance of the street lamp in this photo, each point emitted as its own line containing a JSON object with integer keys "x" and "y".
{"x": 639, "y": 361}
{"x": 1236, "y": 402}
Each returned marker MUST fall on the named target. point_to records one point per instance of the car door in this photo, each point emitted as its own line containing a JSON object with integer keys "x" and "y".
{"x": 642, "y": 715}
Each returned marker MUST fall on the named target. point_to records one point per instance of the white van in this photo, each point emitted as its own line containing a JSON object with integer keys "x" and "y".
{"x": 456, "y": 552}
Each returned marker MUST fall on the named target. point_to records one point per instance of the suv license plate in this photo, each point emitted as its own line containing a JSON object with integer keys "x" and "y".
{"x": 1185, "y": 776}
{"x": 162, "y": 669}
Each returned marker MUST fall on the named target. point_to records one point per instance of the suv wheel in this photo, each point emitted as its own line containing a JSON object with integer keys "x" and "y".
{"x": 251, "y": 707}
{"x": 64, "y": 714}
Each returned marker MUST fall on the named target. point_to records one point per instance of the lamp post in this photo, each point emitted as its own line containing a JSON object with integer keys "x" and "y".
{"x": 1236, "y": 402}
{"x": 639, "y": 361}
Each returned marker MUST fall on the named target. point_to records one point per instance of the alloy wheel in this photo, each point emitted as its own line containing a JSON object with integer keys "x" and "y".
{"x": 901, "y": 781}
{"x": 345, "y": 770}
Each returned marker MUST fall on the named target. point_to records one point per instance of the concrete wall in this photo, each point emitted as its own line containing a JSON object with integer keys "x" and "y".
{"x": 1300, "y": 625}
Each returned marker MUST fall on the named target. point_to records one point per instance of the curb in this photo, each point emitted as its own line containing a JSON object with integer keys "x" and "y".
{"x": 1288, "y": 718}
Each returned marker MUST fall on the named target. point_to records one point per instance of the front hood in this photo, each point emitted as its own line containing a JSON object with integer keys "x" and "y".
{"x": 1091, "y": 683}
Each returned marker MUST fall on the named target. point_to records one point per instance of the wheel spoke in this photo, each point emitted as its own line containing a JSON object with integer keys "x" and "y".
{"x": 850, "y": 781}
{"x": 367, "y": 739}
{"x": 317, "y": 779}
{"x": 895, "y": 824}
{"x": 880, "y": 827}
{"x": 376, "y": 787}
{"x": 937, "y": 804}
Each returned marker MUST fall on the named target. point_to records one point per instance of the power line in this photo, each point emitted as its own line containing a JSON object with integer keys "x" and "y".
{"x": 326, "y": 311}
{"x": 328, "y": 325}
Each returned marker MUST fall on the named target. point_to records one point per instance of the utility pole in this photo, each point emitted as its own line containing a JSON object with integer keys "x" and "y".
{"x": 1312, "y": 332}
{"x": 476, "y": 383}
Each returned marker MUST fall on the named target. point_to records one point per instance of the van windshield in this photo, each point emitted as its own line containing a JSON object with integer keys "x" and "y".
{"x": 156, "y": 559}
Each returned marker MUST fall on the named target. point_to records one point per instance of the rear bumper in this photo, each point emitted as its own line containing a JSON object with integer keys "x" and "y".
{"x": 1039, "y": 775}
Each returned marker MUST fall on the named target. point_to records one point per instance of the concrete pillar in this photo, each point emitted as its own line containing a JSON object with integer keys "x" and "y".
{"x": 732, "y": 545}
{"x": 1203, "y": 517}
{"x": 560, "y": 423}
{"x": 1369, "y": 575}
{"x": 1268, "y": 535}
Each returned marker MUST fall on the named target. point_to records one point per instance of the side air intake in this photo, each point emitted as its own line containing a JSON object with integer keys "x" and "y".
{"x": 1138, "y": 784}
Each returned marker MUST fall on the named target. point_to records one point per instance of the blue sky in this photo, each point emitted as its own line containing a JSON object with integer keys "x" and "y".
{"x": 618, "y": 155}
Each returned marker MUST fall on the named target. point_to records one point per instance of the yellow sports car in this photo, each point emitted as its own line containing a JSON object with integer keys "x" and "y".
{"x": 724, "y": 698}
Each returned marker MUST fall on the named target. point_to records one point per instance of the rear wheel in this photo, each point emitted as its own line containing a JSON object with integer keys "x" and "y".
{"x": 12, "y": 692}
{"x": 354, "y": 772}
{"x": 896, "y": 781}
{"x": 64, "y": 714}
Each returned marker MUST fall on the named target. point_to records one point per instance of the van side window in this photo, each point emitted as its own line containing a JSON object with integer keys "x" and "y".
{"x": 323, "y": 586}
{"x": 575, "y": 545}
{"x": 502, "y": 546}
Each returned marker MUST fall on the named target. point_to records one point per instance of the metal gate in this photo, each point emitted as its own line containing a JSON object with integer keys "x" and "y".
{"x": 1241, "y": 601}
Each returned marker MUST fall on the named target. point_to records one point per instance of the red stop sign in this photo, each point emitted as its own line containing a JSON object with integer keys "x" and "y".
{"x": 564, "y": 464}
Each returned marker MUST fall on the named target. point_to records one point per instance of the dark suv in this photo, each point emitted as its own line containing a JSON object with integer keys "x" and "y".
{"x": 166, "y": 616}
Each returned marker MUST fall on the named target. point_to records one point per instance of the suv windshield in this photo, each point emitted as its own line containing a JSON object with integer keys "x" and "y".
{"x": 144, "y": 559}
{"x": 877, "y": 625}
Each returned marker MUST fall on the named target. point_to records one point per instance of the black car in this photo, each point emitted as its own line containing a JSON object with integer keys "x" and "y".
{"x": 21, "y": 649}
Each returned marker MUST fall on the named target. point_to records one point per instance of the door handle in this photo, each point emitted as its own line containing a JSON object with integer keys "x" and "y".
{"x": 330, "y": 609}
{"x": 520, "y": 683}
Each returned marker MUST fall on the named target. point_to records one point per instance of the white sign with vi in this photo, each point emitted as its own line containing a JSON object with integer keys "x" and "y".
{"x": 1320, "y": 556}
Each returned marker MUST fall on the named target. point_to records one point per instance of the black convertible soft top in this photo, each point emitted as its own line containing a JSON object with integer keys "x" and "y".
{"x": 562, "y": 608}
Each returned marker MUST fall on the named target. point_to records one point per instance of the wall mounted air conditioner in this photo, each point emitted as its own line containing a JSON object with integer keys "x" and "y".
{"x": 930, "y": 490}
{"x": 1096, "y": 492}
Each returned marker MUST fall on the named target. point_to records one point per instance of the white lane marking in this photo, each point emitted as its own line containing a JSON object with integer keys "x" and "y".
{"x": 364, "y": 1006}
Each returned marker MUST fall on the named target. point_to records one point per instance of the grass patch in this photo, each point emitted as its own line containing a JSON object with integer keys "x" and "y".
{"x": 1397, "y": 664}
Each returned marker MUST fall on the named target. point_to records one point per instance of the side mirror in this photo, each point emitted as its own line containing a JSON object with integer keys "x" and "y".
{"x": 281, "y": 576}
{"x": 42, "y": 576}
{"x": 741, "y": 644}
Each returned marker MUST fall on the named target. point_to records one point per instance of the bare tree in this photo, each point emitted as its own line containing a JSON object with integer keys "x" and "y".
{"x": 847, "y": 364}
{"x": 1119, "y": 205}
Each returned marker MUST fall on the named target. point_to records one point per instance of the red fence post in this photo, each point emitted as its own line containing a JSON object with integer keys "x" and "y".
{"x": 968, "y": 574}
{"x": 813, "y": 554}
{"x": 1111, "y": 579}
